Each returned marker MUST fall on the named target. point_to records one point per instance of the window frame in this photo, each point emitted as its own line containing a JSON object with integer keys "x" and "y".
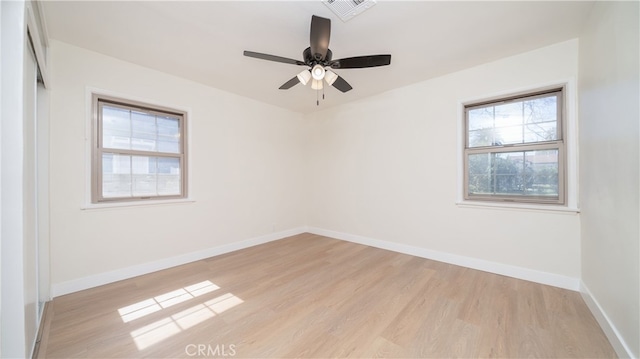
{"x": 97, "y": 149}
{"x": 560, "y": 144}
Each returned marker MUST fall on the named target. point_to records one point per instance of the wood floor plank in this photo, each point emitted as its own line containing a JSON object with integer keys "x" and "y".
{"x": 313, "y": 296}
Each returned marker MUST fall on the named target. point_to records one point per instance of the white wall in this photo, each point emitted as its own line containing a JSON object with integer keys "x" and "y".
{"x": 609, "y": 155}
{"x": 385, "y": 168}
{"x": 245, "y": 165}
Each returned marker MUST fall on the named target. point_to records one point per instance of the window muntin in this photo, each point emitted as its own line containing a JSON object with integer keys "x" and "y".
{"x": 139, "y": 152}
{"x": 514, "y": 149}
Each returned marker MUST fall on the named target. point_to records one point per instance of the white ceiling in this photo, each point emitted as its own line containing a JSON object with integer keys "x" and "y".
{"x": 204, "y": 40}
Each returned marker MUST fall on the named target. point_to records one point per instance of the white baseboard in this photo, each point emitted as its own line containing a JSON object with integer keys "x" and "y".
{"x": 619, "y": 345}
{"x": 79, "y": 284}
{"x": 552, "y": 279}
{"x": 91, "y": 281}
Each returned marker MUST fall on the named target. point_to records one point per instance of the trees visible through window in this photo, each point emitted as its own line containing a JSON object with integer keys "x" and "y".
{"x": 514, "y": 149}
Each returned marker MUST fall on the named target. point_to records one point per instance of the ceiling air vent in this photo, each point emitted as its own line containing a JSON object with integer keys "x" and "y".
{"x": 347, "y": 9}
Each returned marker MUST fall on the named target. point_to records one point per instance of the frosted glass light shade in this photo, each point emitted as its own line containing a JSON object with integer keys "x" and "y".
{"x": 330, "y": 77}
{"x": 304, "y": 77}
{"x": 317, "y": 72}
{"x": 316, "y": 84}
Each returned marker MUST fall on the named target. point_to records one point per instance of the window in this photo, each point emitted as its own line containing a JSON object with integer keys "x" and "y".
{"x": 514, "y": 149}
{"x": 139, "y": 151}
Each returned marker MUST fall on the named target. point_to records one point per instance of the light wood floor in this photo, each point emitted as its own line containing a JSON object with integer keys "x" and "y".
{"x": 312, "y": 296}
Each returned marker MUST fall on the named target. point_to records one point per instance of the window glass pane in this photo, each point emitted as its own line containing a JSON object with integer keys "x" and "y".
{"x": 518, "y": 173}
{"x": 116, "y": 128}
{"x": 480, "y": 173}
{"x": 143, "y": 131}
{"x": 506, "y": 169}
{"x": 140, "y": 131}
{"x": 116, "y": 175}
{"x": 480, "y": 118}
{"x": 508, "y": 115}
{"x": 168, "y": 134}
{"x": 139, "y": 176}
{"x": 516, "y": 122}
{"x": 540, "y": 131}
{"x": 542, "y": 177}
{"x": 144, "y": 175}
{"x": 508, "y": 135}
{"x": 541, "y": 116}
{"x": 481, "y": 127}
{"x": 169, "y": 177}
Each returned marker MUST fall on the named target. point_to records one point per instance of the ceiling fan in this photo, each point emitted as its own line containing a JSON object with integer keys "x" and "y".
{"x": 317, "y": 57}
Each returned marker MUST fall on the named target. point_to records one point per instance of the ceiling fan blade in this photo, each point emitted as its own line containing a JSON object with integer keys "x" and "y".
{"x": 341, "y": 84}
{"x": 289, "y": 84}
{"x": 360, "y": 62}
{"x": 320, "y": 35}
{"x": 275, "y": 58}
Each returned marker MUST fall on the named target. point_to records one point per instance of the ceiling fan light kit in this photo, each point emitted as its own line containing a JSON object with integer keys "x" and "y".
{"x": 330, "y": 77}
{"x": 317, "y": 72}
{"x": 304, "y": 77}
{"x": 316, "y": 84}
{"x": 318, "y": 60}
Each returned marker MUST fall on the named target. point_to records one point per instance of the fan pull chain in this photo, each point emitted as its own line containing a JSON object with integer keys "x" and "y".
{"x": 317, "y": 98}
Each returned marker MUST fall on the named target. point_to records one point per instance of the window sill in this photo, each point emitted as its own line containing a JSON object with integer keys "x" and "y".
{"x": 147, "y": 203}
{"x": 518, "y": 207}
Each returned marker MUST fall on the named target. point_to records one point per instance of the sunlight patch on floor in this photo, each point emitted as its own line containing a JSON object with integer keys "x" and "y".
{"x": 166, "y": 300}
{"x": 164, "y": 328}
{"x": 154, "y": 333}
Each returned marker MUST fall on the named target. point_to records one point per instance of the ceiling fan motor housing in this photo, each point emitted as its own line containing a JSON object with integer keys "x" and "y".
{"x": 310, "y": 60}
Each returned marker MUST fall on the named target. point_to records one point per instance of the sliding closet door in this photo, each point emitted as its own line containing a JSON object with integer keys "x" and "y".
{"x": 30, "y": 195}
{"x": 23, "y": 182}
{"x": 42, "y": 195}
